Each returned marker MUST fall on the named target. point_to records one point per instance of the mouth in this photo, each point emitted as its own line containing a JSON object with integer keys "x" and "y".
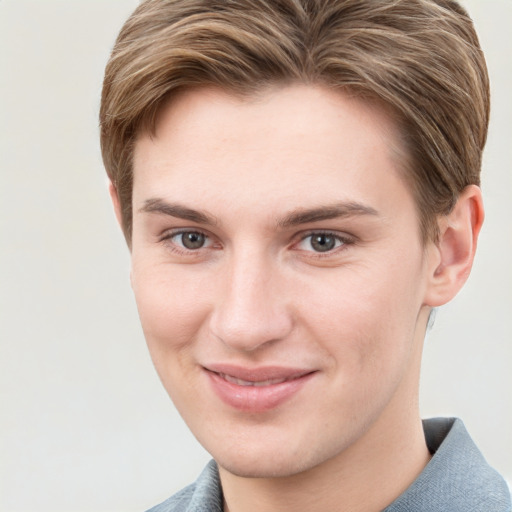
{"x": 261, "y": 383}
{"x": 258, "y": 389}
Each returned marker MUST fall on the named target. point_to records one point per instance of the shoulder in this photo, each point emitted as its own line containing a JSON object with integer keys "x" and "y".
{"x": 204, "y": 494}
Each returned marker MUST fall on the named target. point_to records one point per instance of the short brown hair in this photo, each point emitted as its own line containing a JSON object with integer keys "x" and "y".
{"x": 420, "y": 58}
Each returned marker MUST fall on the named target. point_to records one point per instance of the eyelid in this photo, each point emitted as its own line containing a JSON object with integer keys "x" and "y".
{"x": 167, "y": 236}
{"x": 169, "y": 233}
{"x": 344, "y": 238}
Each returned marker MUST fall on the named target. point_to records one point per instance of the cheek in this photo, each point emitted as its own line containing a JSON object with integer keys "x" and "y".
{"x": 172, "y": 307}
{"x": 172, "y": 311}
{"x": 367, "y": 316}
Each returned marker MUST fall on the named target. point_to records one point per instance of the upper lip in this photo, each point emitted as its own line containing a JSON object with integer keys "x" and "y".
{"x": 258, "y": 374}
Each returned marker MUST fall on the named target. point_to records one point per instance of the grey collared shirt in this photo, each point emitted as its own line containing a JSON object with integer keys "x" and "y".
{"x": 457, "y": 479}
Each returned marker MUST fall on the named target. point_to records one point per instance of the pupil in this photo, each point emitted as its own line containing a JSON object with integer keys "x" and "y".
{"x": 192, "y": 240}
{"x": 323, "y": 243}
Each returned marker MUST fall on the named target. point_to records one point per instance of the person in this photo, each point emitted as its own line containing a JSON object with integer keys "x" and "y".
{"x": 298, "y": 185}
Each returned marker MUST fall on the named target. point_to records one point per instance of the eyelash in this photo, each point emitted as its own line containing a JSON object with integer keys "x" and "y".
{"x": 167, "y": 239}
{"x": 344, "y": 241}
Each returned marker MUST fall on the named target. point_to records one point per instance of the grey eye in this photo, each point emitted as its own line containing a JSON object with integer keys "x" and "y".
{"x": 323, "y": 242}
{"x": 192, "y": 240}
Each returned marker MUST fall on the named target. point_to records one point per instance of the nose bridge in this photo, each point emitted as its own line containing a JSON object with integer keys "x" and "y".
{"x": 252, "y": 310}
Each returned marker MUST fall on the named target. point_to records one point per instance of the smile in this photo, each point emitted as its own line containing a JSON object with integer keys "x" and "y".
{"x": 256, "y": 390}
{"x": 241, "y": 382}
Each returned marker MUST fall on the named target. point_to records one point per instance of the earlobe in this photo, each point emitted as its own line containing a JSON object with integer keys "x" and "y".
{"x": 452, "y": 257}
{"x": 115, "y": 203}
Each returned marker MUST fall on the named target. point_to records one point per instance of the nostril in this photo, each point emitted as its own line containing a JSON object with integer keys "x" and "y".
{"x": 250, "y": 332}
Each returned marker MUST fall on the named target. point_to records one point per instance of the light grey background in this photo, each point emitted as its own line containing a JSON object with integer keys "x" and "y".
{"x": 85, "y": 424}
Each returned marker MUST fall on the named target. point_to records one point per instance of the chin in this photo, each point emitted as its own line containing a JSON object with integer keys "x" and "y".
{"x": 262, "y": 466}
{"x": 280, "y": 457}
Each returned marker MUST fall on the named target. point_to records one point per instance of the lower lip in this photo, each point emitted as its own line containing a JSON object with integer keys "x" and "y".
{"x": 256, "y": 398}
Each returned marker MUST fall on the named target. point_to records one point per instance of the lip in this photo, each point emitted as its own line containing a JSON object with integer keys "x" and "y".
{"x": 256, "y": 389}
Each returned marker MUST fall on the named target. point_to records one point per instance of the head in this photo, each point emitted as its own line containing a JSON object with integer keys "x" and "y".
{"x": 419, "y": 58}
{"x": 297, "y": 182}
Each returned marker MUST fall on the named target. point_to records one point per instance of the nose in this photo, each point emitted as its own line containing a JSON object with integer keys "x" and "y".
{"x": 252, "y": 310}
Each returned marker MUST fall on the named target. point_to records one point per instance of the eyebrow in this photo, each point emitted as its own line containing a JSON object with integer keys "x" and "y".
{"x": 296, "y": 217}
{"x": 334, "y": 211}
{"x": 157, "y": 205}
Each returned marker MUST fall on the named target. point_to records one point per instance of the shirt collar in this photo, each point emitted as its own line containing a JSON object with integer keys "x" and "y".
{"x": 457, "y": 478}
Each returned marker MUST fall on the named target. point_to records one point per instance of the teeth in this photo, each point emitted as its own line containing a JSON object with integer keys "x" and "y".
{"x": 241, "y": 382}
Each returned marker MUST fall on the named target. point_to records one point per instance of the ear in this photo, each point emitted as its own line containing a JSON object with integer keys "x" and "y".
{"x": 115, "y": 203}
{"x": 451, "y": 258}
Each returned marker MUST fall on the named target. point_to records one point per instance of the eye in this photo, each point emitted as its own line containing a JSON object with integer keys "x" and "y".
{"x": 321, "y": 242}
{"x": 190, "y": 240}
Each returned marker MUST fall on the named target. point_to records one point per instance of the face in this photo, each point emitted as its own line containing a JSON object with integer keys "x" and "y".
{"x": 279, "y": 274}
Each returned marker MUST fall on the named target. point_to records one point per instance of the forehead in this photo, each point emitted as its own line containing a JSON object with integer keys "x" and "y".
{"x": 297, "y": 143}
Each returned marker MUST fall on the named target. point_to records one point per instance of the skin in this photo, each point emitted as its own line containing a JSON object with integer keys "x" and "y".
{"x": 260, "y": 293}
